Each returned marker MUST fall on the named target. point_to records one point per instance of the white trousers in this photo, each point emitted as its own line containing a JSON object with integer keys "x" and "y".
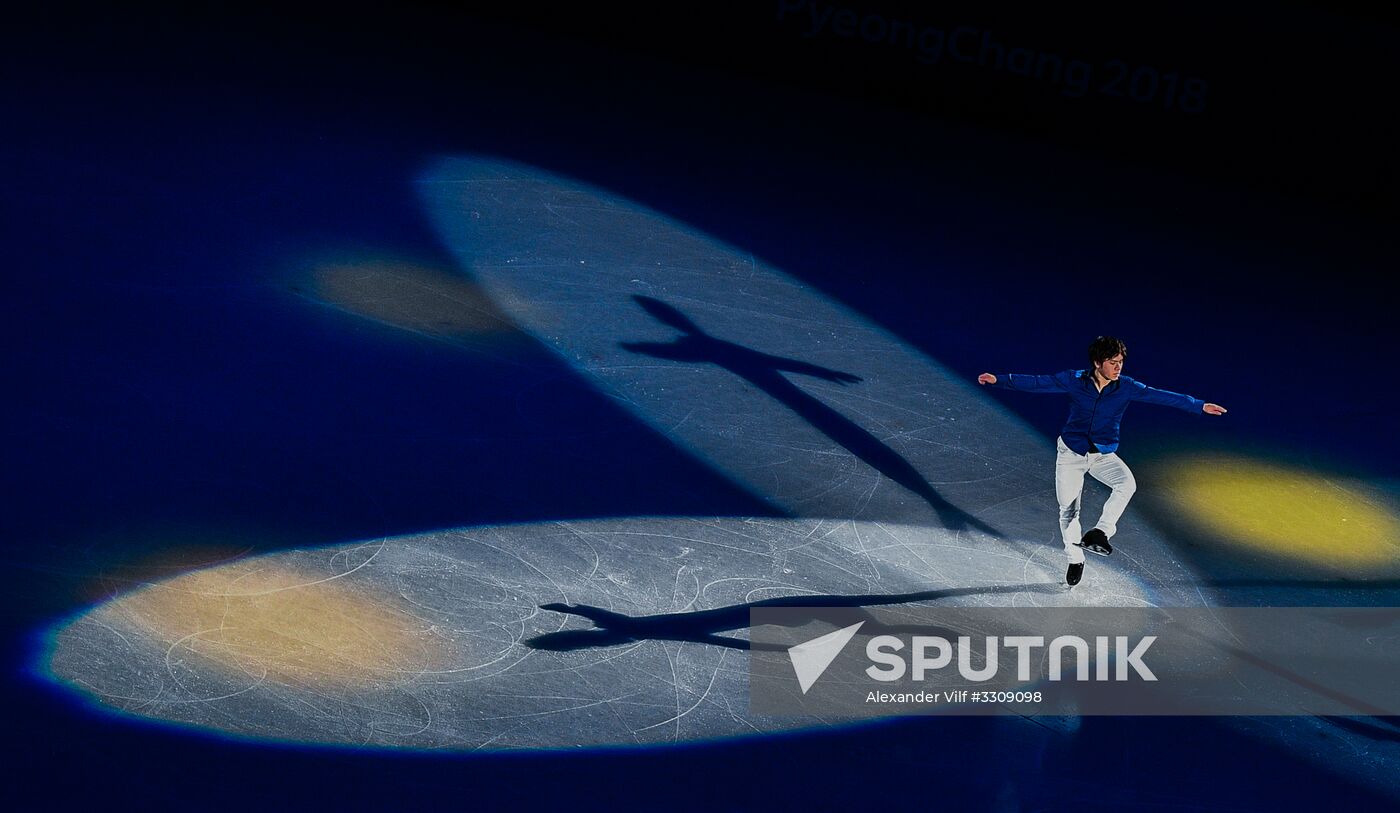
{"x": 1070, "y": 469}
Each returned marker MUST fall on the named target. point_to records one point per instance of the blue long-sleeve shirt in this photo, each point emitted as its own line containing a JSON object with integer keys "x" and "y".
{"x": 1094, "y": 416}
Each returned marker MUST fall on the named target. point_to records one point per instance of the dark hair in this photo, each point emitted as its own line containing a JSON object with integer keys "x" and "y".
{"x": 1104, "y": 348}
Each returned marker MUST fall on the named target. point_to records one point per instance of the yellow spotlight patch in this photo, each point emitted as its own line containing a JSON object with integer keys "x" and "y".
{"x": 277, "y": 624}
{"x": 1289, "y": 512}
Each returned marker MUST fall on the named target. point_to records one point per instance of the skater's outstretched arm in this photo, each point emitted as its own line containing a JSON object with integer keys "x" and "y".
{"x": 1139, "y": 391}
{"x": 1028, "y": 383}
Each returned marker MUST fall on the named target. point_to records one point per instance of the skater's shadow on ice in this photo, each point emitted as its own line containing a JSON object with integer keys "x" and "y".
{"x": 703, "y": 626}
{"x": 1380, "y": 729}
{"x": 765, "y": 372}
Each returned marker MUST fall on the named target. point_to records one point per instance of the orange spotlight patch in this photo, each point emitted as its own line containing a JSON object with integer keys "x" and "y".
{"x": 273, "y": 623}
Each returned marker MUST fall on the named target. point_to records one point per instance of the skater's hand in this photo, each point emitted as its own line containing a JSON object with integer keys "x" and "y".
{"x": 1214, "y": 409}
{"x": 986, "y": 378}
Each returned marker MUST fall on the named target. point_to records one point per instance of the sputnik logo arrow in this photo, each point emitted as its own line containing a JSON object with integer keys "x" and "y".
{"x": 811, "y": 658}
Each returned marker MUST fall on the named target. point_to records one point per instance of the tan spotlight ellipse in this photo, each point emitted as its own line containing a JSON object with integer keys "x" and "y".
{"x": 268, "y": 622}
{"x": 411, "y": 296}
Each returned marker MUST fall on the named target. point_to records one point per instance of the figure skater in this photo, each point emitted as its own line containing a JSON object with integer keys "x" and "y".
{"x": 1088, "y": 443}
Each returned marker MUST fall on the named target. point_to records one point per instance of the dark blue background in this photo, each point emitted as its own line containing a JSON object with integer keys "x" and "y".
{"x": 173, "y": 400}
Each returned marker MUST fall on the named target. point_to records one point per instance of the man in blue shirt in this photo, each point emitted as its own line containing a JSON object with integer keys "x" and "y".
{"x": 1088, "y": 443}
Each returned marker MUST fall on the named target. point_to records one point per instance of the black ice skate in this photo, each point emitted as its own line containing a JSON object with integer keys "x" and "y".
{"x": 1076, "y": 570}
{"x": 1096, "y": 542}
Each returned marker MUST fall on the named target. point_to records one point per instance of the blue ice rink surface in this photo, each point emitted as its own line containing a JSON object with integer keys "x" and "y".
{"x": 202, "y": 368}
